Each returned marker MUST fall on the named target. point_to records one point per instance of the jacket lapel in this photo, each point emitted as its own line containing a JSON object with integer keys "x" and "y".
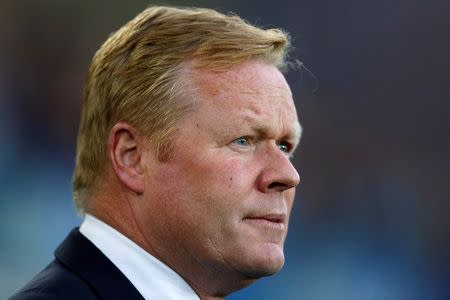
{"x": 83, "y": 258}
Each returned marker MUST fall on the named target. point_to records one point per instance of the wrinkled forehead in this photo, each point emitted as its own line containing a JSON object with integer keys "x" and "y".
{"x": 251, "y": 90}
{"x": 249, "y": 78}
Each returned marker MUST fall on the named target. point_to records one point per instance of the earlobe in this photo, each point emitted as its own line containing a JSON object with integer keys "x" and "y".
{"x": 125, "y": 153}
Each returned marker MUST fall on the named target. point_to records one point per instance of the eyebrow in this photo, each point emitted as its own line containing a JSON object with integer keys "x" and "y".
{"x": 298, "y": 130}
{"x": 297, "y": 136}
{"x": 292, "y": 135}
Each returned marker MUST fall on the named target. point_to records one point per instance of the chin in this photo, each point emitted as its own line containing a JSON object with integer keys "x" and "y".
{"x": 267, "y": 260}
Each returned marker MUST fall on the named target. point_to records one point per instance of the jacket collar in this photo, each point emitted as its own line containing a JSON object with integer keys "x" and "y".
{"x": 81, "y": 257}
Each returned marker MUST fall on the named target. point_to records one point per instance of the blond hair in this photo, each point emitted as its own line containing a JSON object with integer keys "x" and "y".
{"x": 135, "y": 76}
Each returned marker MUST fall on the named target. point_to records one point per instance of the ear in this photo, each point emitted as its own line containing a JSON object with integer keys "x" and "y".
{"x": 125, "y": 148}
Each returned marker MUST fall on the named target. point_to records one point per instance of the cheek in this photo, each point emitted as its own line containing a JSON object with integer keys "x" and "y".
{"x": 215, "y": 192}
{"x": 217, "y": 174}
{"x": 210, "y": 192}
{"x": 220, "y": 182}
{"x": 193, "y": 191}
{"x": 238, "y": 174}
{"x": 231, "y": 185}
{"x": 164, "y": 198}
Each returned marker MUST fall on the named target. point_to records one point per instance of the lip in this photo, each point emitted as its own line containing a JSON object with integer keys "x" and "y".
{"x": 275, "y": 221}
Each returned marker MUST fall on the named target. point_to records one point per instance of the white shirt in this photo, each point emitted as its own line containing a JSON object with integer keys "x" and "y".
{"x": 152, "y": 278}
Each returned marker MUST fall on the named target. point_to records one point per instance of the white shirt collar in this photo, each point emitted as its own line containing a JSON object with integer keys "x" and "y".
{"x": 152, "y": 278}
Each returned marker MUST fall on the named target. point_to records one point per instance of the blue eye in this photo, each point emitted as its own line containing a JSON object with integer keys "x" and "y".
{"x": 284, "y": 148}
{"x": 242, "y": 141}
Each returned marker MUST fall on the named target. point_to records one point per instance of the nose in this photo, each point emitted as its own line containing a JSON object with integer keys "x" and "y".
{"x": 278, "y": 173}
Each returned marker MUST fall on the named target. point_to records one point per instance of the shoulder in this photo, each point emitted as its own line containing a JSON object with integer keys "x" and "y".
{"x": 55, "y": 282}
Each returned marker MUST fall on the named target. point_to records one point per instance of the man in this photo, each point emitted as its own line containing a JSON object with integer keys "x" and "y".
{"x": 183, "y": 168}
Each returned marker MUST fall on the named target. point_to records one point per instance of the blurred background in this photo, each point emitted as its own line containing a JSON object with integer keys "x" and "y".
{"x": 372, "y": 215}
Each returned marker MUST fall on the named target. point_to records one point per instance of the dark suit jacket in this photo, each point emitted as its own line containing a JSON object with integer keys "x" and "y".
{"x": 80, "y": 271}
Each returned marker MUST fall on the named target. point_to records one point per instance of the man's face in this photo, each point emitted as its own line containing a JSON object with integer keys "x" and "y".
{"x": 223, "y": 200}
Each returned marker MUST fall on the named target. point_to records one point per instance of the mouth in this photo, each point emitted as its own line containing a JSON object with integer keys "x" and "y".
{"x": 273, "y": 221}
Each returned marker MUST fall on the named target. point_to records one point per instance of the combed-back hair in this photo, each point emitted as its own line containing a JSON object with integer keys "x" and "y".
{"x": 136, "y": 77}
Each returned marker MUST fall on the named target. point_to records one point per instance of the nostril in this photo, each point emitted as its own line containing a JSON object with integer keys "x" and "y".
{"x": 275, "y": 180}
{"x": 277, "y": 185}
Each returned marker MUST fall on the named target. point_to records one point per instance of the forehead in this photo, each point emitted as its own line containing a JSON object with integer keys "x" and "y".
{"x": 246, "y": 79}
{"x": 252, "y": 91}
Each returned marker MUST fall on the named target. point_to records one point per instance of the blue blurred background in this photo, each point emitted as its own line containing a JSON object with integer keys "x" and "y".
{"x": 372, "y": 215}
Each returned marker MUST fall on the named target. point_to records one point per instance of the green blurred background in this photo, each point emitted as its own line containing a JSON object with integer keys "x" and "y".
{"x": 371, "y": 218}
